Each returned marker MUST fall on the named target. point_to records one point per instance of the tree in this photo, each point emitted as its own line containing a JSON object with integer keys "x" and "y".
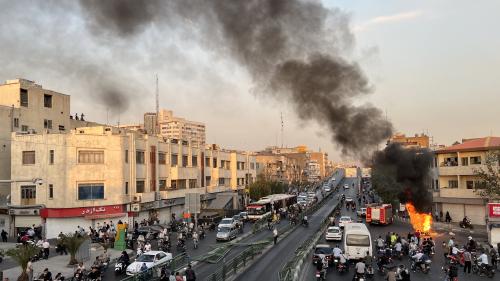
{"x": 384, "y": 182}
{"x": 72, "y": 242}
{"x": 263, "y": 187}
{"x": 22, "y": 256}
{"x": 489, "y": 177}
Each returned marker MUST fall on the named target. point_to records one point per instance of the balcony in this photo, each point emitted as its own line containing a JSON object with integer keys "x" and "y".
{"x": 459, "y": 170}
{"x": 458, "y": 193}
{"x": 180, "y": 173}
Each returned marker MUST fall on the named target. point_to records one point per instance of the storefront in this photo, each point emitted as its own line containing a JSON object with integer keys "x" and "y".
{"x": 24, "y": 218}
{"x": 67, "y": 220}
{"x": 494, "y": 224}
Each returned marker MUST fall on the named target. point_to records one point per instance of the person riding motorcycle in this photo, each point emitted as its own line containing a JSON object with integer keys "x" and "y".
{"x": 322, "y": 265}
{"x": 483, "y": 260}
{"x": 419, "y": 259}
{"x": 471, "y": 244}
{"x": 124, "y": 258}
{"x": 337, "y": 252}
{"x": 360, "y": 270}
{"x": 304, "y": 221}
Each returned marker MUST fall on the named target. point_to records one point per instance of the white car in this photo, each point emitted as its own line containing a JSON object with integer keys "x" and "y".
{"x": 333, "y": 233}
{"x": 230, "y": 222}
{"x": 150, "y": 258}
{"x": 346, "y": 186}
{"x": 327, "y": 189}
{"x": 344, "y": 220}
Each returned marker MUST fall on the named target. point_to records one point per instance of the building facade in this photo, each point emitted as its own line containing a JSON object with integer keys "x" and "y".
{"x": 454, "y": 190}
{"x": 100, "y": 173}
{"x": 179, "y": 128}
{"x": 417, "y": 141}
{"x": 277, "y": 167}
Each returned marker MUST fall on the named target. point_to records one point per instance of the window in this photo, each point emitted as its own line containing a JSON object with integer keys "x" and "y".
{"x": 173, "y": 184}
{"x": 126, "y": 155}
{"x": 470, "y": 184}
{"x": 126, "y": 188}
{"x": 194, "y": 161}
{"x": 207, "y": 180}
{"x": 163, "y": 184}
{"x": 16, "y": 122}
{"x": 174, "y": 160}
{"x": 480, "y": 184}
{"x": 91, "y": 157}
{"x": 252, "y": 166}
{"x": 47, "y": 101}
{"x": 24, "y": 128}
{"x": 214, "y": 162}
{"x": 358, "y": 240}
{"x": 61, "y": 128}
{"x": 181, "y": 184}
{"x": 24, "y": 97}
{"x": 184, "y": 160}
{"x": 28, "y": 192}
{"x": 90, "y": 191}
{"x": 437, "y": 184}
{"x": 47, "y": 124}
{"x": 51, "y": 157}
{"x": 221, "y": 181}
{"x": 465, "y": 161}
{"x": 162, "y": 159}
{"x": 192, "y": 183}
{"x": 28, "y": 157}
{"x": 453, "y": 184}
{"x": 139, "y": 157}
{"x": 207, "y": 162}
{"x": 51, "y": 191}
{"x": 475, "y": 160}
{"x": 139, "y": 187}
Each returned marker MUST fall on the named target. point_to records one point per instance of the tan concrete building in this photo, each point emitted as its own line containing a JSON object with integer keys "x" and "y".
{"x": 419, "y": 140}
{"x": 454, "y": 190}
{"x": 278, "y": 167}
{"x": 93, "y": 174}
{"x": 180, "y": 128}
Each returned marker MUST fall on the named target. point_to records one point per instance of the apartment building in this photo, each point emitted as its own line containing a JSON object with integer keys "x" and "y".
{"x": 179, "y": 128}
{"x": 417, "y": 141}
{"x": 277, "y": 167}
{"x": 101, "y": 173}
{"x": 454, "y": 188}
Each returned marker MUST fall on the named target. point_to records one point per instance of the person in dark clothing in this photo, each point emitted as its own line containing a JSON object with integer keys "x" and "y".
{"x": 448, "y": 217}
{"x": 190, "y": 275}
{"x": 4, "y": 235}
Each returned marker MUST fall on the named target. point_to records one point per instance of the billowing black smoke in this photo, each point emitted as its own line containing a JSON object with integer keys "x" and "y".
{"x": 403, "y": 173}
{"x": 292, "y": 49}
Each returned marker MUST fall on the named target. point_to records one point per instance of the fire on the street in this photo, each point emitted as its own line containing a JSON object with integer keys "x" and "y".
{"x": 421, "y": 222}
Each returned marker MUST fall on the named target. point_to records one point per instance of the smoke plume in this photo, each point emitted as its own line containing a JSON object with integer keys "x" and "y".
{"x": 403, "y": 172}
{"x": 292, "y": 49}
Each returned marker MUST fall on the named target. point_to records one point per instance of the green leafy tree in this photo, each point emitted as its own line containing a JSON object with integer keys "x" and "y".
{"x": 22, "y": 255}
{"x": 72, "y": 242}
{"x": 263, "y": 187}
{"x": 489, "y": 177}
{"x": 384, "y": 182}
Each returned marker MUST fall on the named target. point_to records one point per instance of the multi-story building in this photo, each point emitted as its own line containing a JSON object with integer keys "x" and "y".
{"x": 418, "y": 141}
{"x": 457, "y": 180}
{"x": 26, "y": 107}
{"x": 179, "y": 128}
{"x": 150, "y": 123}
{"x": 277, "y": 167}
{"x": 100, "y": 173}
{"x": 313, "y": 171}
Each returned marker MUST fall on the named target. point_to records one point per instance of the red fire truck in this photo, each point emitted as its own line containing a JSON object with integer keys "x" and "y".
{"x": 379, "y": 213}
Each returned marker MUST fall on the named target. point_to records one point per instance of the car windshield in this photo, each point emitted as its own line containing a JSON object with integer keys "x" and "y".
{"x": 146, "y": 258}
{"x": 226, "y": 221}
{"x": 237, "y": 217}
{"x": 223, "y": 229}
{"x": 323, "y": 250}
{"x": 358, "y": 240}
{"x": 333, "y": 230}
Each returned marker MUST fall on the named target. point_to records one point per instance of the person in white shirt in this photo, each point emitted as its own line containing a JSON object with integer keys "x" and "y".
{"x": 360, "y": 268}
{"x": 398, "y": 247}
{"x": 483, "y": 259}
{"x": 454, "y": 251}
{"x": 337, "y": 251}
{"x": 46, "y": 247}
{"x": 147, "y": 247}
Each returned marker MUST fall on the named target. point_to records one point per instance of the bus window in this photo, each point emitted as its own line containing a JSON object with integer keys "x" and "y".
{"x": 357, "y": 240}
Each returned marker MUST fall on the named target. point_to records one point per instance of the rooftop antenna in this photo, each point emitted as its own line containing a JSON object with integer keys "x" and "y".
{"x": 107, "y": 116}
{"x": 281, "y": 114}
{"x": 157, "y": 106}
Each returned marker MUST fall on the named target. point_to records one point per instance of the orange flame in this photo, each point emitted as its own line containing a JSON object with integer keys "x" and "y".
{"x": 420, "y": 221}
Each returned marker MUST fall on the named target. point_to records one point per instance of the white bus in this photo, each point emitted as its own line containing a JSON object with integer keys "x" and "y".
{"x": 265, "y": 205}
{"x": 357, "y": 241}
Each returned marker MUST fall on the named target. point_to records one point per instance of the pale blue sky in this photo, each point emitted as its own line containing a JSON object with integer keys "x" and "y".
{"x": 434, "y": 65}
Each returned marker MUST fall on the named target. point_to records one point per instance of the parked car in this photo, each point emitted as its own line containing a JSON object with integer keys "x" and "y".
{"x": 323, "y": 249}
{"x": 361, "y": 212}
{"x": 344, "y": 220}
{"x": 150, "y": 258}
{"x": 333, "y": 233}
{"x": 226, "y": 233}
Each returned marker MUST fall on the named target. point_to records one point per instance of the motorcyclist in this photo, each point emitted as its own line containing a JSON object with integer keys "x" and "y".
{"x": 322, "y": 264}
{"x": 124, "y": 258}
{"x": 304, "y": 220}
{"x": 195, "y": 238}
{"x": 419, "y": 259}
{"x": 483, "y": 260}
{"x": 399, "y": 248}
{"x": 337, "y": 252}
{"x": 402, "y": 273}
{"x": 380, "y": 243}
{"x": 471, "y": 244}
{"x": 360, "y": 269}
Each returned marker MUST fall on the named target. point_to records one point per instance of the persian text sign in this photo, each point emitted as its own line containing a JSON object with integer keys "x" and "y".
{"x": 494, "y": 210}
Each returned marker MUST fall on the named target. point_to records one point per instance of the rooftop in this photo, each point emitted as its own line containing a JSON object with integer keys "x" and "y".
{"x": 486, "y": 143}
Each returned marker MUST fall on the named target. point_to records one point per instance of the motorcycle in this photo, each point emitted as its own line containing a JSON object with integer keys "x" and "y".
{"x": 359, "y": 277}
{"x": 305, "y": 223}
{"x": 181, "y": 246}
{"x": 120, "y": 268}
{"x": 342, "y": 267}
{"x": 466, "y": 224}
{"x": 195, "y": 243}
{"x": 321, "y": 274}
{"x": 483, "y": 270}
{"x": 424, "y": 266}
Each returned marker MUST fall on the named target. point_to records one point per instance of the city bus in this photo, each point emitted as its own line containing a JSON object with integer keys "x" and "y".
{"x": 357, "y": 241}
{"x": 265, "y": 205}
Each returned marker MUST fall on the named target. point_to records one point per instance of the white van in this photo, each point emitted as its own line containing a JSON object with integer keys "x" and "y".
{"x": 357, "y": 241}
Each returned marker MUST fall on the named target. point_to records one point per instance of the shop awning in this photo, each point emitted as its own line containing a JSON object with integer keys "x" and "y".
{"x": 220, "y": 203}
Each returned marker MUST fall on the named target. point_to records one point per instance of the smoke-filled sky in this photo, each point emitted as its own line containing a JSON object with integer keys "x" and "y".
{"x": 430, "y": 65}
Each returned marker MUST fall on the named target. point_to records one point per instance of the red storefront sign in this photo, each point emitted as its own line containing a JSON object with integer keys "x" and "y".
{"x": 494, "y": 210}
{"x": 88, "y": 212}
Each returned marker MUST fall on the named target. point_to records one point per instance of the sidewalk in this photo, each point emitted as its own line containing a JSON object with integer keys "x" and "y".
{"x": 59, "y": 263}
{"x": 479, "y": 231}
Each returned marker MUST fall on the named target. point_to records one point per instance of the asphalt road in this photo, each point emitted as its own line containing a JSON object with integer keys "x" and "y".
{"x": 268, "y": 265}
{"x": 308, "y": 269}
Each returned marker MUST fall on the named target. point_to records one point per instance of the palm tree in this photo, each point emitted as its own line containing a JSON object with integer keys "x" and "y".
{"x": 22, "y": 256}
{"x": 72, "y": 242}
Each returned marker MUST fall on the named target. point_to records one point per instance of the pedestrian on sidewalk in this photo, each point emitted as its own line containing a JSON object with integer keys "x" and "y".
{"x": 4, "y": 235}
{"x": 275, "y": 235}
{"x": 190, "y": 275}
{"x": 46, "y": 248}
{"x": 178, "y": 277}
{"x": 467, "y": 261}
{"x": 448, "y": 217}
{"x": 29, "y": 271}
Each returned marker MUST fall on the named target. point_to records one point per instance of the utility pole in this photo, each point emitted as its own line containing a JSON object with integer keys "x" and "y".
{"x": 157, "y": 107}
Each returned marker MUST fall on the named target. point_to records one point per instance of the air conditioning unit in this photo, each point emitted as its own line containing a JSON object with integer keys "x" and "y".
{"x": 136, "y": 199}
{"x": 135, "y": 208}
